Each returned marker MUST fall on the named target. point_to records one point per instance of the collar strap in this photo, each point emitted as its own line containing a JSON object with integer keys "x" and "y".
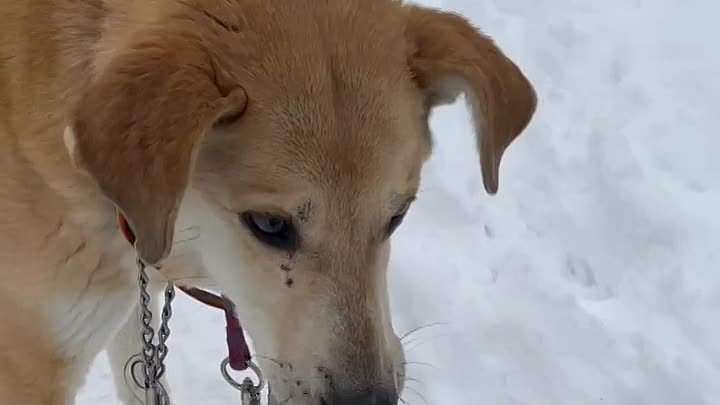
{"x": 238, "y": 349}
{"x": 125, "y": 229}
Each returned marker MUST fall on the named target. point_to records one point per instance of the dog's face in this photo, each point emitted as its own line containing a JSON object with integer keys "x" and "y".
{"x": 296, "y": 223}
{"x": 293, "y": 137}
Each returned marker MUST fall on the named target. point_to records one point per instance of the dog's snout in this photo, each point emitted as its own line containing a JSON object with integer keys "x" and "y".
{"x": 366, "y": 397}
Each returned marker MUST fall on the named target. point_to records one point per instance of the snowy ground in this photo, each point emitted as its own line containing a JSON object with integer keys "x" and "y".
{"x": 592, "y": 278}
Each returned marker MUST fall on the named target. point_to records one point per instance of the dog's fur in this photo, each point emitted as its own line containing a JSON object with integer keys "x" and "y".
{"x": 184, "y": 114}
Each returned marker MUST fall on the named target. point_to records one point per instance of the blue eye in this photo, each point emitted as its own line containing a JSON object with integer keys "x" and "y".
{"x": 273, "y": 230}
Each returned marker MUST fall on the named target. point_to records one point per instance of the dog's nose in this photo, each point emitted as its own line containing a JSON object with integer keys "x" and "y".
{"x": 367, "y": 397}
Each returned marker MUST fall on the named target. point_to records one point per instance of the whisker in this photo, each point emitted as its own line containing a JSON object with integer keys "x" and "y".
{"x": 406, "y": 345}
{"x": 407, "y": 378}
{"x": 419, "y": 363}
{"x": 425, "y": 339}
{"x": 418, "y": 394}
{"x": 417, "y": 343}
{"x": 408, "y": 348}
{"x": 419, "y": 328}
{"x": 404, "y": 401}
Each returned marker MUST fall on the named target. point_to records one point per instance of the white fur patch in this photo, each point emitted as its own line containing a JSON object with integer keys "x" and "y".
{"x": 71, "y": 146}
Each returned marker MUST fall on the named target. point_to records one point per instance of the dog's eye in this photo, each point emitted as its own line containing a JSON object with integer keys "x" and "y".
{"x": 273, "y": 230}
{"x": 397, "y": 219}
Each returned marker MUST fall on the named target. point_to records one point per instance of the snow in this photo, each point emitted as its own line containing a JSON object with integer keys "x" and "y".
{"x": 591, "y": 278}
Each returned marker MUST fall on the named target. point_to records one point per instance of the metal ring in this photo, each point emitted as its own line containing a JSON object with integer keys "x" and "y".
{"x": 241, "y": 386}
{"x": 130, "y": 376}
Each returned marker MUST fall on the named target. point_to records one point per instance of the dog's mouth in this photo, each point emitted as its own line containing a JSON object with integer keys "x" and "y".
{"x": 320, "y": 389}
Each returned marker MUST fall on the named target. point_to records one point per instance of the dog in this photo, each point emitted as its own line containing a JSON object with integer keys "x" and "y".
{"x": 266, "y": 149}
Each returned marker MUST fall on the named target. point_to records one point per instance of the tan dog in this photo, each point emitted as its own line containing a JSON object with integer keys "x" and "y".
{"x": 268, "y": 148}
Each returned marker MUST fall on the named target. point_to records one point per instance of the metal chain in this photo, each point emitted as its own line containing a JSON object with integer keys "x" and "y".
{"x": 164, "y": 330}
{"x": 153, "y": 356}
{"x": 249, "y": 393}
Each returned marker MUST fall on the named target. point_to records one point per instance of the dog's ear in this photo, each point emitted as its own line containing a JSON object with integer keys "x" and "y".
{"x": 138, "y": 127}
{"x": 447, "y": 57}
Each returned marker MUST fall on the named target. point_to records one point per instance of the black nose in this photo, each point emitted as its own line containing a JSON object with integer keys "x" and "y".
{"x": 367, "y": 397}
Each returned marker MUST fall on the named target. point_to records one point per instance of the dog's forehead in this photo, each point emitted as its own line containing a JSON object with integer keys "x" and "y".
{"x": 331, "y": 100}
{"x": 328, "y": 140}
{"x": 342, "y": 139}
{"x": 297, "y": 46}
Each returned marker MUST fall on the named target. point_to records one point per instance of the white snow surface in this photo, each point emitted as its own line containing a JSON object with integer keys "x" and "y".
{"x": 592, "y": 277}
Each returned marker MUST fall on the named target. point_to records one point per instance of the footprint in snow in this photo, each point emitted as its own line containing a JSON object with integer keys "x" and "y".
{"x": 581, "y": 273}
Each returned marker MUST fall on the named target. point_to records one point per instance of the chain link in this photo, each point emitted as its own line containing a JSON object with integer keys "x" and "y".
{"x": 249, "y": 393}
{"x": 164, "y": 330}
{"x": 153, "y": 356}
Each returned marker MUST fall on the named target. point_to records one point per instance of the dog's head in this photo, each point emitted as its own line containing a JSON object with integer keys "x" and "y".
{"x": 292, "y": 134}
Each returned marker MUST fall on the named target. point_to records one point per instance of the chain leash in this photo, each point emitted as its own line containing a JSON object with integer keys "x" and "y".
{"x": 152, "y": 356}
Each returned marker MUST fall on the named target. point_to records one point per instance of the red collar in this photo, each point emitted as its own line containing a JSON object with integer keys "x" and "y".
{"x": 238, "y": 349}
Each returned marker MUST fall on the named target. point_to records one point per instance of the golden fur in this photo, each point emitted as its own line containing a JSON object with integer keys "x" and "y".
{"x": 185, "y": 114}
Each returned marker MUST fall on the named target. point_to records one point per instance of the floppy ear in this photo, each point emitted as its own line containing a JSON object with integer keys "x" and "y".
{"x": 448, "y": 56}
{"x": 138, "y": 127}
